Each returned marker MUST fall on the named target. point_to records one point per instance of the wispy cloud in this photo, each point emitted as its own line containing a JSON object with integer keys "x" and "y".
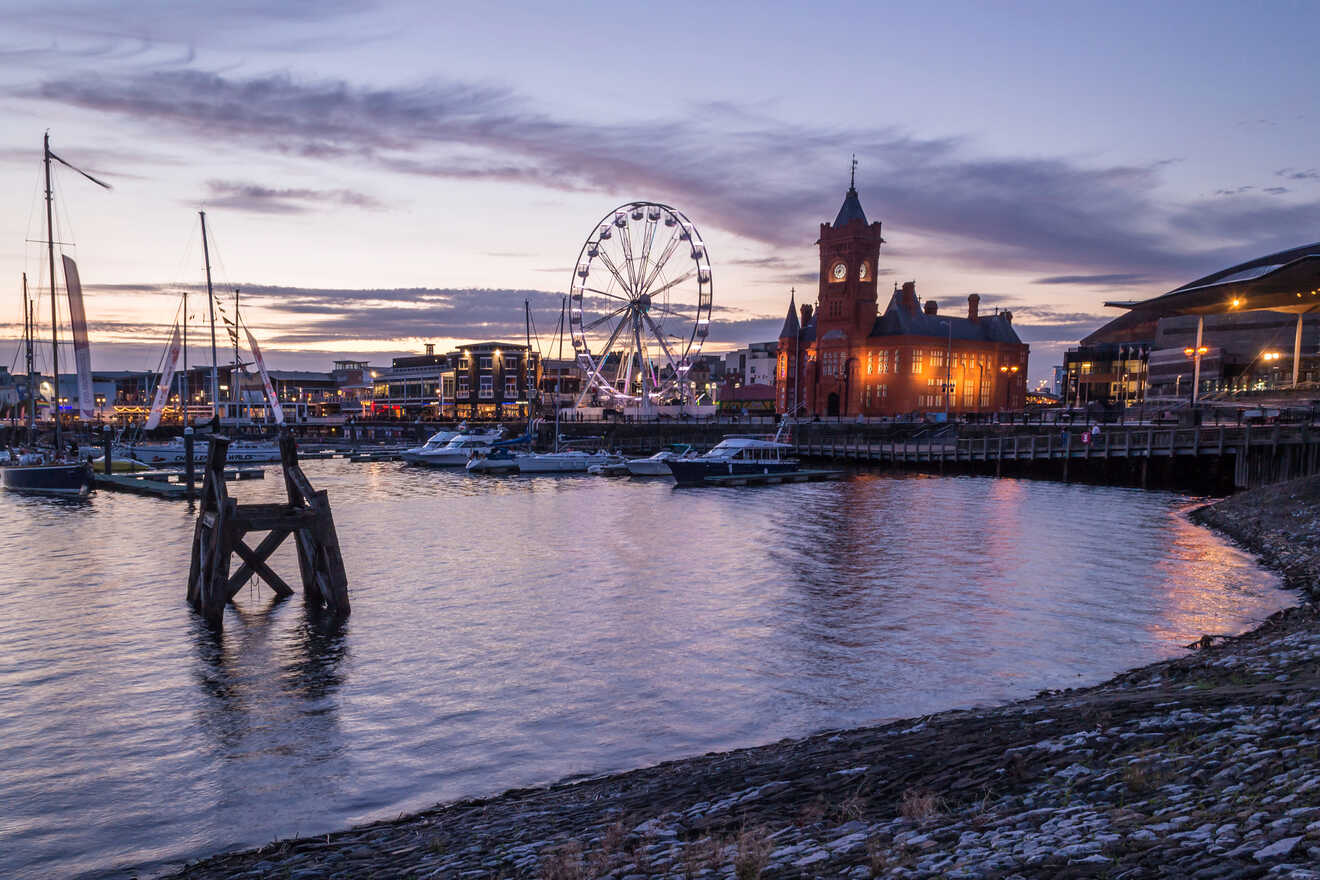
{"x": 1298, "y": 174}
{"x": 1118, "y": 279}
{"x": 255, "y": 198}
{"x": 758, "y": 178}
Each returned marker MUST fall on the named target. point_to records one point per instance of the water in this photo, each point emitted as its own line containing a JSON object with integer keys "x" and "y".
{"x": 512, "y": 631}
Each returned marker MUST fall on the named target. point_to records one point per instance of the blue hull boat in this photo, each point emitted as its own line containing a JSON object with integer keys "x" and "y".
{"x": 56, "y": 479}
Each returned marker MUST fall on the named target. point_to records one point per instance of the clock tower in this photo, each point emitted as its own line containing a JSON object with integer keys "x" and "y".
{"x": 846, "y": 305}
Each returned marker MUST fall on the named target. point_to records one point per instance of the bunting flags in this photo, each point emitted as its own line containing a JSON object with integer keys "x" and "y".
{"x": 166, "y": 379}
{"x": 271, "y": 398}
{"x": 82, "y": 352}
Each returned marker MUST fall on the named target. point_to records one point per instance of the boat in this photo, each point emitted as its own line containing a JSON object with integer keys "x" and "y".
{"x": 732, "y": 456}
{"x": 56, "y": 476}
{"x": 457, "y": 451}
{"x": 494, "y": 461}
{"x": 440, "y": 439}
{"x": 173, "y": 452}
{"x": 118, "y": 465}
{"x": 568, "y": 461}
{"x": 658, "y": 465}
{"x": 615, "y": 467}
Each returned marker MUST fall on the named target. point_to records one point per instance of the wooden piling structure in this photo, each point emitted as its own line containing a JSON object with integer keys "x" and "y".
{"x": 223, "y": 524}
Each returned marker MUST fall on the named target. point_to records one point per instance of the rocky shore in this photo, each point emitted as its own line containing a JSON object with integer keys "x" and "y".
{"x": 1205, "y": 766}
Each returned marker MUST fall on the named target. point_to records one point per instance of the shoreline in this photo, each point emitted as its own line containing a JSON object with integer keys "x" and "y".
{"x": 1205, "y": 765}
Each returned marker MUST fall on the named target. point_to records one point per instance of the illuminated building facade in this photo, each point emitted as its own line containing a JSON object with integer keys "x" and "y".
{"x": 845, "y": 358}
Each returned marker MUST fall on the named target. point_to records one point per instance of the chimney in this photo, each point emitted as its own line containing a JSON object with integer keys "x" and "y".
{"x": 1008, "y": 316}
{"x": 973, "y": 303}
{"x": 806, "y": 314}
{"x": 910, "y": 296}
{"x": 430, "y": 349}
{"x": 932, "y": 307}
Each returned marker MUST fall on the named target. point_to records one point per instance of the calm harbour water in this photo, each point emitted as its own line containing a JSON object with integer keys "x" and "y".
{"x": 513, "y": 631}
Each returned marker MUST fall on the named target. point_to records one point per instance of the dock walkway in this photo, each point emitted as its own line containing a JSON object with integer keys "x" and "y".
{"x": 1247, "y": 456}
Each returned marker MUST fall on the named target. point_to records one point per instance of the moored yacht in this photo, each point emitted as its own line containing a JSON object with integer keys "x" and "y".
{"x": 568, "y": 461}
{"x": 735, "y": 455}
{"x": 457, "y": 451}
{"x": 658, "y": 465}
{"x": 440, "y": 439}
{"x": 173, "y": 452}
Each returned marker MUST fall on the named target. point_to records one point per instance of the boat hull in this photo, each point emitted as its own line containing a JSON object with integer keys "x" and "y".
{"x": 649, "y": 467}
{"x": 693, "y": 472}
{"x": 560, "y": 462}
{"x": 51, "y": 479}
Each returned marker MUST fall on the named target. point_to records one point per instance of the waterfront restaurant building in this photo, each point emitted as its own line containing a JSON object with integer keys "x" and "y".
{"x": 845, "y": 358}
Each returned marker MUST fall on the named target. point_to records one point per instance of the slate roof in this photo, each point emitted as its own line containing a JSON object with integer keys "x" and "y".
{"x": 850, "y": 210}
{"x": 791, "y": 325}
{"x": 897, "y": 320}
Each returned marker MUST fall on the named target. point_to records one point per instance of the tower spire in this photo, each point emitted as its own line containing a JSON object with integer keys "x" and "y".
{"x": 852, "y": 180}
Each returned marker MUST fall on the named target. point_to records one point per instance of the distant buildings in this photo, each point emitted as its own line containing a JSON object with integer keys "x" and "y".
{"x": 846, "y": 358}
{"x": 1257, "y": 332}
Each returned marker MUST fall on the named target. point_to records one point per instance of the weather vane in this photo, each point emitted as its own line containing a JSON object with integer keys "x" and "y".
{"x": 852, "y": 181}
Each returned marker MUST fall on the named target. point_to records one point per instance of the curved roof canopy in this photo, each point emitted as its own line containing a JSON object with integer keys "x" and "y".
{"x": 1288, "y": 281}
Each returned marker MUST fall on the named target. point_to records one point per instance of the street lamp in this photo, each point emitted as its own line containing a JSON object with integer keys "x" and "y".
{"x": 948, "y": 367}
{"x": 1008, "y": 372}
{"x": 1195, "y": 353}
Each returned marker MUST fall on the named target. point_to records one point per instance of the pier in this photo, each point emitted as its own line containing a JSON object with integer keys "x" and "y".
{"x": 165, "y": 484}
{"x": 1220, "y": 457}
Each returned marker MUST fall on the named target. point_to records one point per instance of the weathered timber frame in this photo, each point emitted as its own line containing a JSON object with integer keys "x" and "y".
{"x": 222, "y": 525}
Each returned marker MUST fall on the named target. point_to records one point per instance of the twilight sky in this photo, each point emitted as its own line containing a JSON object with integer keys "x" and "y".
{"x": 378, "y": 175}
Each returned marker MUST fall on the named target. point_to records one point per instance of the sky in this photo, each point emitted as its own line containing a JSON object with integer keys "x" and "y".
{"x": 379, "y": 175}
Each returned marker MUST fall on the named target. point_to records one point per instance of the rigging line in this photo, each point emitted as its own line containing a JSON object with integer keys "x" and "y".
{"x": 665, "y": 254}
{"x": 80, "y": 171}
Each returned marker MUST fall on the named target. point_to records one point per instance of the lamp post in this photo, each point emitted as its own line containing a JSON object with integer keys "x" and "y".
{"x": 1195, "y": 354}
{"x": 948, "y": 367}
{"x": 1007, "y": 372}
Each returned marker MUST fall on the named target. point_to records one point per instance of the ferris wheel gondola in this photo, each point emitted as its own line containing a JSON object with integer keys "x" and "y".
{"x": 640, "y": 303}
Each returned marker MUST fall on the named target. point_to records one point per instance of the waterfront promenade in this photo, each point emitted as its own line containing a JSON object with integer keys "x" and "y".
{"x": 1203, "y": 766}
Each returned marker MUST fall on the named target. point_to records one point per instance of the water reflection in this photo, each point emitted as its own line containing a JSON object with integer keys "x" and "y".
{"x": 508, "y": 632}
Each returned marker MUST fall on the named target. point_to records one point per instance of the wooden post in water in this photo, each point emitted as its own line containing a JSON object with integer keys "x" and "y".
{"x": 222, "y": 525}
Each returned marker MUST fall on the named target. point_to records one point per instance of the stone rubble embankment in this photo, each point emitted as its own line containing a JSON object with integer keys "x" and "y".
{"x": 1206, "y": 766}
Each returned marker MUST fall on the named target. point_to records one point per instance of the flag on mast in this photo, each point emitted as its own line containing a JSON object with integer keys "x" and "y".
{"x": 166, "y": 380}
{"x": 82, "y": 352}
{"x": 271, "y": 398}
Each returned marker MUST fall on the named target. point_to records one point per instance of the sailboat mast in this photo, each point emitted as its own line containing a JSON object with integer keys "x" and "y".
{"x": 210, "y": 298}
{"x": 233, "y": 376}
{"x": 29, "y": 325}
{"x": 559, "y": 366}
{"x": 183, "y": 377}
{"x": 54, "y": 300}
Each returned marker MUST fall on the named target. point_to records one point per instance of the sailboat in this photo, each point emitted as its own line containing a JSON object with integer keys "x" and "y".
{"x": 174, "y": 452}
{"x": 35, "y": 473}
{"x": 567, "y": 461}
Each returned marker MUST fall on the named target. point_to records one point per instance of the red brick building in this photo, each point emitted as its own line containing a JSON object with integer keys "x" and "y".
{"x": 846, "y": 358}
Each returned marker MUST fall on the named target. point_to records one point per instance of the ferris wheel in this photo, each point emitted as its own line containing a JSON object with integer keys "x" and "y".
{"x": 639, "y": 307}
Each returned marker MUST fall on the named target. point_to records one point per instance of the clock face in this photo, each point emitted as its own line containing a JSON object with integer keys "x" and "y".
{"x": 839, "y": 271}
{"x": 863, "y": 272}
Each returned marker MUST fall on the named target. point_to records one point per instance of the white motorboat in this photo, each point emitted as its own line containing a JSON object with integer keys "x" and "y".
{"x": 457, "y": 451}
{"x": 566, "y": 462}
{"x": 440, "y": 439}
{"x": 172, "y": 452}
{"x": 615, "y": 467}
{"x": 495, "y": 461}
{"x": 658, "y": 465}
